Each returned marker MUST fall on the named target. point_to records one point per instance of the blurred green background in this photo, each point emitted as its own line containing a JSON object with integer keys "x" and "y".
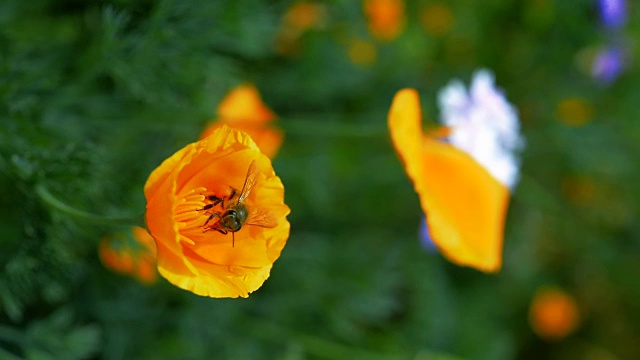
{"x": 95, "y": 94}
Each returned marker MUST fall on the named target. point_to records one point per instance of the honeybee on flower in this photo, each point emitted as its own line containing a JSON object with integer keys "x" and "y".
{"x": 235, "y": 214}
{"x": 464, "y": 171}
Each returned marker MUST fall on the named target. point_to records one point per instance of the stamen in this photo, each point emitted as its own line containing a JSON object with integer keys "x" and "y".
{"x": 187, "y": 240}
{"x": 190, "y": 214}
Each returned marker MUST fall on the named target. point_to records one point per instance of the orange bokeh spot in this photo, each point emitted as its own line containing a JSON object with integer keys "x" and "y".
{"x": 553, "y": 314}
{"x": 437, "y": 19}
{"x": 386, "y": 18}
{"x": 244, "y": 110}
{"x": 362, "y": 52}
{"x": 180, "y": 197}
{"x": 299, "y": 18}
{"x": 465, "y": 205}
{"x": 580, "y": 190}
{"x": 304, "y": 15}
{"x": 574, "y": 111}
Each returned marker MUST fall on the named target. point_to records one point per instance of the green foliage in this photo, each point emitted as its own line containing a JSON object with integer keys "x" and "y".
{"x": 94, "y": 95}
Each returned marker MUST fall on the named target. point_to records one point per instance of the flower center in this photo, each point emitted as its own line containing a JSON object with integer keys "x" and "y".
{"x": 194, "y": 214}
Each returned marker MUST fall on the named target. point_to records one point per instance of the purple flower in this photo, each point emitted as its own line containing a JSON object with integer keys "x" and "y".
{"x": 613, "y": 13}
{"x": 607, "y": 65}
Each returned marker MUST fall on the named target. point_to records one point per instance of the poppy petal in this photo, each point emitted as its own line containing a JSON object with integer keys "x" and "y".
{"x": 465, "y": 205}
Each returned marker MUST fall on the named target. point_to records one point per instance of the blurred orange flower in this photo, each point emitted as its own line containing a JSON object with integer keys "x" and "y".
{"x": 132, "y": 254}
{"x": 244, "y": 110}
{"x": 553, "y": 314}
{"x": 386, "y": 18}
{"x": 191, "y": 204}
{"x": 464, "y": 203}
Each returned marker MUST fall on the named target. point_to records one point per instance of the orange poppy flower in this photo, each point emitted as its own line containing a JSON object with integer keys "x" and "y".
{"x": 244, "y": 110}
{"x": 465, "y": 204}
{"x": 386, "y": 18}
{"x": 191, "y": 204}
{"x": 132, "y": 254}
{"x": 553, "y": 314}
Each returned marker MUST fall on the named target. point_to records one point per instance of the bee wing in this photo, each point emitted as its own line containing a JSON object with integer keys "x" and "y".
{"x": 249, "y": 181}
{"x": 261, "y": 217}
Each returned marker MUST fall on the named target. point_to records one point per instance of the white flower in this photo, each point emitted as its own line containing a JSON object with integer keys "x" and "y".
{"x": 483, "y": 124}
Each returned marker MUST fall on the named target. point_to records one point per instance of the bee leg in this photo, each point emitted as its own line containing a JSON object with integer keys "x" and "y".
{"x": 216, "y": 200}
{"x": 211, "y": 218}
{"x": 221, "y": 231}
{"x": 206, "y": 207}
{"x": 234, "y": 192}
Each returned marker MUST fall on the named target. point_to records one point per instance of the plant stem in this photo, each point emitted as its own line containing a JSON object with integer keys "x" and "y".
{"x": 57, "y": 204}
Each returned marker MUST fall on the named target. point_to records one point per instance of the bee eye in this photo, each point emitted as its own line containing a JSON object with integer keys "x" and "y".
{"x": 231, "y": 212}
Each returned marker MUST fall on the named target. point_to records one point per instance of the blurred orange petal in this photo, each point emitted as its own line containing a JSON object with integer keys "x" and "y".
{"x": 195, "y": 256}
{"x": 243, "y": 104}
{"x": 132, "y": 254}
{"x": 553, "y": 314}
{"x": 244, "y": 110}
{"x": 465, "y": 205}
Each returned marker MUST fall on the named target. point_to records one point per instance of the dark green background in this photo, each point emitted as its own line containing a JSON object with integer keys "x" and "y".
{"x": 95, "y": 94}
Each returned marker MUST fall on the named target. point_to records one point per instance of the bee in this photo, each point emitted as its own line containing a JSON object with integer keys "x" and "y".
{"x": 235, "y": 214}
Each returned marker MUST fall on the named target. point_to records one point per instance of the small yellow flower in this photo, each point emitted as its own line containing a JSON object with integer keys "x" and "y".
{"x": 553, "y": 314}
{"x": 132, "y": 254}
{"x": 244, "y": 110}
{"x": 202, "y": 247}
{"x": 386, "y": 18}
